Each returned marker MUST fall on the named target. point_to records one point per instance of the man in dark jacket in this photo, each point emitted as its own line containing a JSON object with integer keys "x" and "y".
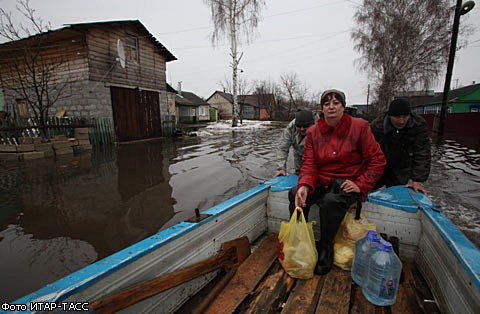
{"x": 294, "y": 136}
{"x": 405, "y": 142}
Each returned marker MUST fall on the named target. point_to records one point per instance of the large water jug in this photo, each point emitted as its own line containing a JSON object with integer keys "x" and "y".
{"x": 363, "y": 248}
{"x": 383, "y": 275}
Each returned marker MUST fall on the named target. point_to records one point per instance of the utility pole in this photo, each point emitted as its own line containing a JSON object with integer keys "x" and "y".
{"x": 459, "y": 10}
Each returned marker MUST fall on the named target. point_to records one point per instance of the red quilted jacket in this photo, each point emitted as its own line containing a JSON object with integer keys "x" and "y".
{"x": 348, "y": 151}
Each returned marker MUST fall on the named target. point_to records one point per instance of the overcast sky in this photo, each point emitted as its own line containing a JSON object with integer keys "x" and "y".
{"x": 311, "y": 38}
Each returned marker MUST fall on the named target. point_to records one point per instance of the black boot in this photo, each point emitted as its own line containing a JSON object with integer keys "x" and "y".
{"x": 325, "y": 258}
{"x": 324, "y": 247}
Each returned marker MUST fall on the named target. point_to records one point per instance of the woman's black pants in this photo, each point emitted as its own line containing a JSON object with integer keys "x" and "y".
{"x": 333, "y": 204}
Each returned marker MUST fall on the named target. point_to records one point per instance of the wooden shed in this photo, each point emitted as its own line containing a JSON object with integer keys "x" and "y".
{"x": 112, "y": 70}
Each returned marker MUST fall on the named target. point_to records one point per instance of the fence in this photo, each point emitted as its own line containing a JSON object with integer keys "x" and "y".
{"x": 168, "y": 125}
{"x": 100, "y": 130}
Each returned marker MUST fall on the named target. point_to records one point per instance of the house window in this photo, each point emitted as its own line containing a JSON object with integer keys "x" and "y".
{"x": 203, "y": 111}
{"x": 131, "y": 48}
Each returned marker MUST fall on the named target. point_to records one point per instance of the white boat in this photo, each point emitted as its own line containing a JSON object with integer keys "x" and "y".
{"x": 447, "y": 260}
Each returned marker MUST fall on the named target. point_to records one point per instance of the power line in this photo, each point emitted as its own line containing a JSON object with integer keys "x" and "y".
{"x": 265, "y": 17}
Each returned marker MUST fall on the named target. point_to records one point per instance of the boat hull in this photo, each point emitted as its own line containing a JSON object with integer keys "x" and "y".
{"x": 446, "y": 259}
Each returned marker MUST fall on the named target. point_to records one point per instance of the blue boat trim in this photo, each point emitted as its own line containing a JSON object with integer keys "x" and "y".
{"x": 87, "y": 276}
{"x": 403, "y": 198}
{"x": 467, "y": 253}
{"x": 289, "y": 182}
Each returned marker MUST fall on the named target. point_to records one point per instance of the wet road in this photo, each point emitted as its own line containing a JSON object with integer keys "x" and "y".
{"x": 59, "y": 216}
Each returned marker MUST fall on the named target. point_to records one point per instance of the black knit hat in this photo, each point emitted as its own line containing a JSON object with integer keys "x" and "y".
{"x": 304, "y": 118}
{"x": 399, "y": 107}
{"x": 340, "y": 96}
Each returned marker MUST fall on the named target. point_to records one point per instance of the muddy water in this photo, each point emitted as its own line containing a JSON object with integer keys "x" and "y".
{"x": 59, "y": 216}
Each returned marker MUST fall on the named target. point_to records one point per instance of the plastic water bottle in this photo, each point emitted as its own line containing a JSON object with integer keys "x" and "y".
{"x": 363, "y": 248}
{"x": 384, "y": 269}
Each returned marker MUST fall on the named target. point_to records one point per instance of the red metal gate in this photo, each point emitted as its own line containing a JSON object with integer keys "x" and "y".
{"x": 136, "y": 114}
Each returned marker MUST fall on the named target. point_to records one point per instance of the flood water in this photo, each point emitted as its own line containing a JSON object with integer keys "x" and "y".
{"x": 57, "y": 216}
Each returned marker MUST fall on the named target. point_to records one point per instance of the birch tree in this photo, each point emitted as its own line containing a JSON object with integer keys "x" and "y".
{"x": 235, "y": 21}
{"x": 403, "y": 44}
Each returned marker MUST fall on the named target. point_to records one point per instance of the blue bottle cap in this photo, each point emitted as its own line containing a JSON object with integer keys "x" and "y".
{"x": 373, "y": 236}
{"x": 385, "y": 246}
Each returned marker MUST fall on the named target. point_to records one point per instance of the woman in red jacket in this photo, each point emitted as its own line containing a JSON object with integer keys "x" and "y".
{"x": 341, "y": 163}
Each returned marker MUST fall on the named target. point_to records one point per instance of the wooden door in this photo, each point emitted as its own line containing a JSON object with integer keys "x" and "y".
{"x": 136, "y": 114}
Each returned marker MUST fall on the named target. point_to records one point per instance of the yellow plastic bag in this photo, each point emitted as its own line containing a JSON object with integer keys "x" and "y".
{"x": 343, "y": 252}
{"x": 349, "y": 232}
{"x": 296, "y": 247}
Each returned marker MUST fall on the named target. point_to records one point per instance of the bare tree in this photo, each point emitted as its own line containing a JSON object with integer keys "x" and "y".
{"x": 316, "y": 101}
{"x": 290, "y": 84}
{"x": 404, "y": 44}
{"x": 28, "y": 68}
{"x": 235, "y": 20}
{"x": 295, "y": 92}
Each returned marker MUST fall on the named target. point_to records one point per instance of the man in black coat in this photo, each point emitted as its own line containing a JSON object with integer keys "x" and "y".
{"x": 405, "y": 142}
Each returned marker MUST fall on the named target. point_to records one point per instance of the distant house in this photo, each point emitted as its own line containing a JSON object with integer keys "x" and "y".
{"x": 186, "y": 111}
{"x": 253, "y": 106}
{"x": 463, "y": 109}
{"x": 249, "y": 108}
{"x": 460, "y": 100}
{"x": 263, "y": 105}
{"x": 114, "y": 70}
{"x": 202, "y": 106}
{"x": 362, "y": 109}
{"x": 187, "y": 107}
{"x": 223, "y": 103}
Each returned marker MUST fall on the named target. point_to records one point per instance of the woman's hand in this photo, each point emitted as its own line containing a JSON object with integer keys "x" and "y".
{"x": 349, "y": 187}
{"x": 301, "y": 196}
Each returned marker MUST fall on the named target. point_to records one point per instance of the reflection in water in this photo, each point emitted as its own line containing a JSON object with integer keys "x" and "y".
{"x": 454, "y": 183}
{"x": 79, "y": 208}
{"x": 59, "y": 216}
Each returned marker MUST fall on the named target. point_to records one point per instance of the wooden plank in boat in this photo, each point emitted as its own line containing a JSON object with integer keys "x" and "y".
{"x": 406, "y": 300}
{"x": 304, "y": 296}
{"x": 271, "y": 293}
{"x": 360, "y": 304}
{"x": 202, "y": 300}
{"x": 335, "y": 296}
{"x": 247, "y": 277}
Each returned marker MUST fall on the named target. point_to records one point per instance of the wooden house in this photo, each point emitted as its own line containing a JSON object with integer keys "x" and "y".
{"x": 113, "y": 70}
{"x": 202, "y": 106}
{"x": 186, "y": 111}
{"x": 253, "y": 106}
